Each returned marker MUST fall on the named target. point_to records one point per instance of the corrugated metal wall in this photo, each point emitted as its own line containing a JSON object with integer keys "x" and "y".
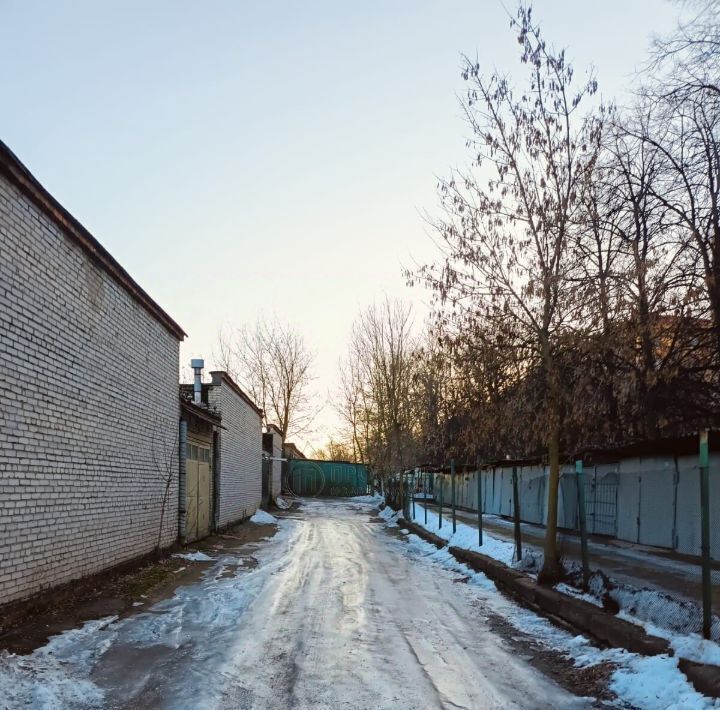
{"x": 327, "y": 478}
{"x": 652, "y": 501}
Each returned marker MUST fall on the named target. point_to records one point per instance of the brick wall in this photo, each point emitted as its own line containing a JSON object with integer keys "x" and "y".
{"x": 240, "y": 476}
{"x": 88, "y": 410}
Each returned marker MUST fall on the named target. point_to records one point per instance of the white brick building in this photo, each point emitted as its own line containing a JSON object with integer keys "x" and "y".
{"x": 239, "y": 471}
{"x": 88, "y": 399}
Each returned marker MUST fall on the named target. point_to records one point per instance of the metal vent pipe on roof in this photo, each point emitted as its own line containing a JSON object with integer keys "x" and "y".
{"x": 197, "y": 365}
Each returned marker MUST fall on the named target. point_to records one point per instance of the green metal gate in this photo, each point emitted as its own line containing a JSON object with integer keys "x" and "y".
{"x": 311, "y": 478}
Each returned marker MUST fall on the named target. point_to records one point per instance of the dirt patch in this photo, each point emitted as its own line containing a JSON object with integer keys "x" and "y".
{"x": 587, "y": 682}
{"x": 122, "y": 592}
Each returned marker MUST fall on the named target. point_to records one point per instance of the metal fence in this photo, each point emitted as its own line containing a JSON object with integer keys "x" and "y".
{"x": 642, "y": 533}
{"x": 311, "y": 478}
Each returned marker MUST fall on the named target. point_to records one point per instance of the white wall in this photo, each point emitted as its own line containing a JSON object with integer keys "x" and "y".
{"x": 240, "y": 474}
{"x": 88, "y": 410}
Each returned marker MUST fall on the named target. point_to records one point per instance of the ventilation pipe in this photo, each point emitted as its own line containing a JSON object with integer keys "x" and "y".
{"x": 197, "y": 365}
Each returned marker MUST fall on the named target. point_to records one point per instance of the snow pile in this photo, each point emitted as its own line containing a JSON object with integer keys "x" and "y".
{"x": 572, "y": 592}
{"x": 656, "y": 682}
{"x": 390, "y": 516}
{"x": 694, "y": 647}
{"x": 281, "y": 503}
{"x": 196, "y": 556}
{"x": 263, "y": 518}
{"x": 57, "y": 675}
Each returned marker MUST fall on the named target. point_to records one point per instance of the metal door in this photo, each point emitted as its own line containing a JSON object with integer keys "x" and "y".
{"x": 197, "y": 490}
{"x": 601, "y": 492}
{"x": 204, "y": 498}
{"x": 191, "y": 495}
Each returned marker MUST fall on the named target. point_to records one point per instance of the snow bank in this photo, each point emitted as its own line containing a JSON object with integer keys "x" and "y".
{"x": 196, "y": 556}
{"x": 651, "y": 683}
{"x": 660, "y": 614}
{"x": 676, "y": 620}
{"x": 263, "y": 518}
{"x": 465, "y": 537}
{"x": 374, "y": 499}
{"x": 281, "y": 503}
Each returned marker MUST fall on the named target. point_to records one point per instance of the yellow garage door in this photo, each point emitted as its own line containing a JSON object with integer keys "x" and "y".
{"x": 198, "y": 500}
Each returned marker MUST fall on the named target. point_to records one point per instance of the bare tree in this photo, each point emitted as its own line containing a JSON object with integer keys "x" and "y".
{"x": 376, "y": 387}
{"x": 273, "y": 363}
{"x": 353, "y": 408}
{"x": 225, "y": 351}
{"x": 506, "y": 259}
{"x": 687, "y": 62}
{"x": 334, "y": 451}
{"x": 164, "y": 450}
{"x": 686, "y": 136}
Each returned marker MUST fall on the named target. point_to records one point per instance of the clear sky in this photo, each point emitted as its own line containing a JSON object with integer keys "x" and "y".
{"x": 246, "y": 157}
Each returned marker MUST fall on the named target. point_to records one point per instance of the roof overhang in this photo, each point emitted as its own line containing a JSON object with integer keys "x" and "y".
{"x": 23, "y": 180}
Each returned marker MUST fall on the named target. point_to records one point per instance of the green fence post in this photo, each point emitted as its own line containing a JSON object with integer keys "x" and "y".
{"x": 406, "y": 488}
{"x": 705, "y": 532}
{"x": 442, "y": 485}
{"x": 479, "y": 502}
{"x": 405, "y": 501}
{"x": 516, "y": 514}
{"x": 412, "y": 492}
{"x": 425, "y": 496}
{"x": 452, "y": 487}
{"x": 580, "y": 481}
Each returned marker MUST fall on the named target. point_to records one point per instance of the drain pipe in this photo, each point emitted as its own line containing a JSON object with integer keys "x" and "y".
{"x": 182, "y": 481}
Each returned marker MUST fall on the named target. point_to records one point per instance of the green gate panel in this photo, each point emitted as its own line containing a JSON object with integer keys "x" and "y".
{"x": 311, "y": 478}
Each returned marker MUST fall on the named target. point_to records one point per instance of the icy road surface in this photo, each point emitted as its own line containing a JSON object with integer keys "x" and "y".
{"x": 339, "y": 613}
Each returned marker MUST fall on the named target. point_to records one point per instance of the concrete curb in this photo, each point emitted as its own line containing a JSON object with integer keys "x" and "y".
{"x": 576, "y": 614}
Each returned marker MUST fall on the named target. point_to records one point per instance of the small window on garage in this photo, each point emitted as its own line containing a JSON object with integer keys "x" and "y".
{"x": 194, "y": 453}
{"x": 188, "y": 452}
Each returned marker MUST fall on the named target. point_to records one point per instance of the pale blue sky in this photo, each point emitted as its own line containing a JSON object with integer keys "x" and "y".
{"x": 240, "y": 157}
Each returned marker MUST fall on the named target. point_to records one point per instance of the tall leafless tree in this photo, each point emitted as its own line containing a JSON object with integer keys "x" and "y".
{"x": 506, "y": 237}
{"x": 271, "y": 360}
{"x": 164, "y": 450}
{"x": 377, "y": 378}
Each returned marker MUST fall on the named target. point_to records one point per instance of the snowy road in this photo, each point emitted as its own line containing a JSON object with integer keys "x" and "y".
{"x": 350, "y": 620}
{"x": 338, "y": 613}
